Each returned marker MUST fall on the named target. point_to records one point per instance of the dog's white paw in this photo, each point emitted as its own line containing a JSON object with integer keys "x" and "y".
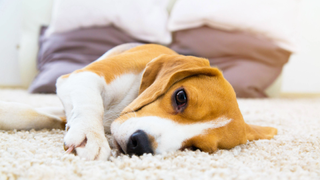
{"x": 87, "y": 143}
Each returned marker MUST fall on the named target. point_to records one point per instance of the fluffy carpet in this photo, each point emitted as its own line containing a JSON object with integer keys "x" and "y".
{"x": 293, "y": 154}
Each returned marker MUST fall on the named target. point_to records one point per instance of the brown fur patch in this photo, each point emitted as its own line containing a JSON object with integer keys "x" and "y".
{"x": 65, "y": 76}
{"x": 153, "y": 142}
{"x": 63, "y": 123}
{"x": 130, "y": 61}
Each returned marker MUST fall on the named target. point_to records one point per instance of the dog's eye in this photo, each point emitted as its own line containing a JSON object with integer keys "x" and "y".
{"x": 180, "y": 100}
{"x": 181, "y": 97}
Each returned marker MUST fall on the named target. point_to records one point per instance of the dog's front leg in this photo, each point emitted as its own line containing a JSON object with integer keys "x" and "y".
{"x": 80, "y": 94}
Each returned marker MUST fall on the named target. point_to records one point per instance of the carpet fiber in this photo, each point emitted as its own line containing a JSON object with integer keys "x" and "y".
{"x": 293, "y": 154}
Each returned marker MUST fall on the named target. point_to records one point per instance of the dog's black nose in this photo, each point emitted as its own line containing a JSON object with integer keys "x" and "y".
{"x": 139, "y": 144}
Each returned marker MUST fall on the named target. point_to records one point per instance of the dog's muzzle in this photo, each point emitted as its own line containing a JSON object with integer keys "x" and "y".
{"x": 139, "y": 144}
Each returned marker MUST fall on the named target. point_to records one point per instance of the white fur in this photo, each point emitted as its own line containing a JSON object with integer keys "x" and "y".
{"x": 168, "y": 134}
{"x": 21, "y": 116}
{"x": 80, "y": 94}
{"x": 119, "y": 94}
{"x": 91, "y": 105}
{"x": 56, "y": 111}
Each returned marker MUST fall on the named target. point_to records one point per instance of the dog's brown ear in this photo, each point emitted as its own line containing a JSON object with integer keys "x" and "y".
{"x": 162, "y": 72}
{"x": 172, "y": 68}
{"x": 259, "y": 132}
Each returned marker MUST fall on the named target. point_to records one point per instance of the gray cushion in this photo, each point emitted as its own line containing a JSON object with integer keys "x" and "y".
{"x": 63, "y": 53}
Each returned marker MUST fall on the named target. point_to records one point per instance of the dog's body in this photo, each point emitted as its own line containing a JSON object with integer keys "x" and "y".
{"x": 156, "y": 100}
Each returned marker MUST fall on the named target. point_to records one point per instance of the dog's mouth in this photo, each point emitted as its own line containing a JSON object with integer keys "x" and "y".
{"x": 190, "y": 148}
{"x": 119, "y": 148}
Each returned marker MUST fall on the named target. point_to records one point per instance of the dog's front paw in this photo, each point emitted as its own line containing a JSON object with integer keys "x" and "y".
{"x": 87, "y": 143}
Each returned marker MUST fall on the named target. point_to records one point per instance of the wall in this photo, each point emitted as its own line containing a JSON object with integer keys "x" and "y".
{"x": 302, "y": 73}
{"x": 9, "y": 39}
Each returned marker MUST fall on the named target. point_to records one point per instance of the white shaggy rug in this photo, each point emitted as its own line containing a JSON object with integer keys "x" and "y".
{"x": 293, "y": 154}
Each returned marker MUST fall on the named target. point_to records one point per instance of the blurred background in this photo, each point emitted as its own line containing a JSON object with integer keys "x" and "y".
{"x": 20, "y": 23}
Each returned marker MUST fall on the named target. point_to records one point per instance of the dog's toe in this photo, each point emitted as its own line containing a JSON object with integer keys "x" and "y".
{"x": 89, "y": 145}
{"x": 96, "y": 148}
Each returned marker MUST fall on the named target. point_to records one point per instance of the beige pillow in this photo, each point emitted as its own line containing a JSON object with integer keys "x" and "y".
{"x": 145, "y": 20}
{"x": 272, "y": 19}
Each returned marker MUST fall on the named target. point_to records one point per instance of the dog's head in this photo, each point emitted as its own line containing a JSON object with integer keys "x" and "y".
{"x": 183, "y": 103}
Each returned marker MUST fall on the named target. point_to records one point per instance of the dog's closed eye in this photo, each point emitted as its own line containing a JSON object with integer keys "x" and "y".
{"x": 179, "y": 100}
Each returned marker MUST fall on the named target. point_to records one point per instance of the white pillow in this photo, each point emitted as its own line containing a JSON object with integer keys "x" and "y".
{"x": 143, "y": 19}
{"x": 272, "y": 19}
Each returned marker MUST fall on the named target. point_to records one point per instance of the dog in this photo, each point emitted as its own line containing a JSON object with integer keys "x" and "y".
{"x": 151, "y": 99}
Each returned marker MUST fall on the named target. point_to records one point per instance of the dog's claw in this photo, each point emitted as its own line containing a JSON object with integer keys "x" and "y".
{"x": 70, "y": 149}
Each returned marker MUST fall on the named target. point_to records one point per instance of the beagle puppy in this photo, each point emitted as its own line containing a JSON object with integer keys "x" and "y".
{"x": 151, "y": 99}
